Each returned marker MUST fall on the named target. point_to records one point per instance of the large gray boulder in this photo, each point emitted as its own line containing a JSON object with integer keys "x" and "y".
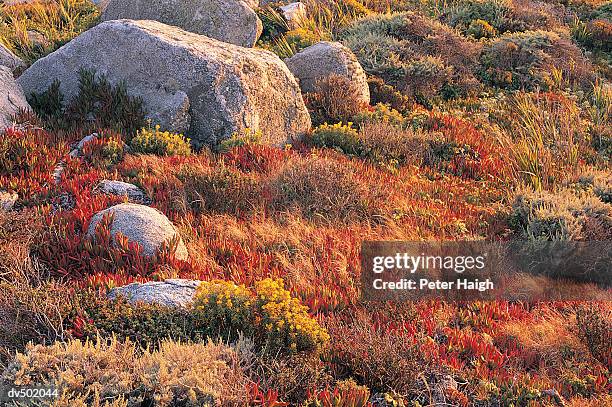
{"x": 227, "y": 88}
{"x": 171, "y": 293}
{"x": 12, "y": 99}
{"x": 140, "y": 224}
{"x": 324, "y": 59}
{"x": 231, "y": 21}
{"x": 10, "y": 60}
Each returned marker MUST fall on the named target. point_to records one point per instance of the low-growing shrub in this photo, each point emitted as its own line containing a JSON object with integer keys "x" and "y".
{"x": 346, "y": 393}
{"x": 376, "y": 358}
{"x": 381, "y": 114}
{"x": 175, "y": 374}
{"x": 227, "y": 309}
{"x": 563, "y": 215}
{"x": 99, "y": 104}
{"x": 481, "y": 29}
{"x": 105, "y": 150}
{"x": 144, "y": 324}
{"x": 599, "y": 182}
{"x": 155, "y": 141}
{"x": 343, "y": 138}
{"x": 277, "y": 321}
{"x": 325, "y": 190}
{"x": 220, "y": 189}
{"x": 384, "y": 94}
{"x": 527, "y": 60}
{"x": 396, "y": 46}
{"x": 594, "y": 326}
{"x": 247, "y": 137}
{"x": 284, "y": 320}
{"x": 335, "y": 99}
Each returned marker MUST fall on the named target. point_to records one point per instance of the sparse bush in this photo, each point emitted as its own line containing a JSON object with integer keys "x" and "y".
{"x": 376, "y": 358}
{"x": 561, "y": 216}
{"x": 335, "y": 99}
{"x": 175, "y": 374}
{"x": 527, "y": 60}
{"x": 155, "y": 141}
{"x": 594, "y": 327}
{"x": 220, "y": 189}
{"x": 383, "y": 94}
{"x": 323, "y": 189}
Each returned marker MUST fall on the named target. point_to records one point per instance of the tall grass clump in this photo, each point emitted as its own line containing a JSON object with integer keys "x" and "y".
{"x": 57, "y": 22}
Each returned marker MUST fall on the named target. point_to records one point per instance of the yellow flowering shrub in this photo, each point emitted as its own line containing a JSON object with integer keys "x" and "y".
{"x": 155, "y": 141}
{"x": 226, "y": 308}
{"x": 285, "y": 322}
{"x": 269, "y": 314}
{"x": 245, "y": 137}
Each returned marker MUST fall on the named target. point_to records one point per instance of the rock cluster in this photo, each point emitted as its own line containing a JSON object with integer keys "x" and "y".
{"x": 221, "y": 88}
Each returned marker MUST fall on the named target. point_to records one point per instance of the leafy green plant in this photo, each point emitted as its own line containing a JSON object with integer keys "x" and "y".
{"x": 98, "y": 104}
{"x": 338, "y": 136}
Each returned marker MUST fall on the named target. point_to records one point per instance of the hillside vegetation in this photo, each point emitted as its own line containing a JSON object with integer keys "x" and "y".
{"x": 489, "y": 119}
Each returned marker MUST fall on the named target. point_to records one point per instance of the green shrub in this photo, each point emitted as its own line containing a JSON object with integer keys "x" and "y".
{"x": 143, "y": 324}
{"x": 598, "y": 182}
{"x": 481, "y": 29}
{"x": 337, "y": 136}
{"x": 528, "y": 60}
{"x": 563, "y": 215}
{"x": 245, "y": 138}
{"x": 396, "y": 46}
{"x": 382, "y": 114}
{"x": 155, "y": 141}
{"x": 227, "y": 309}
{"x": 494, "y": 13}
{"x": 383, "y": 94}
{"x": 98, "y": 104}
{"x": 48, "y": 104}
